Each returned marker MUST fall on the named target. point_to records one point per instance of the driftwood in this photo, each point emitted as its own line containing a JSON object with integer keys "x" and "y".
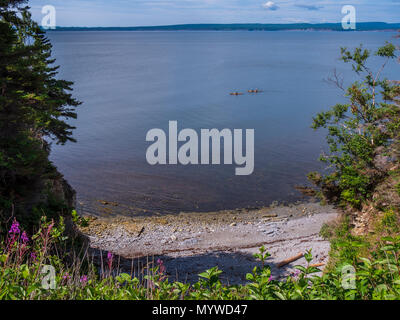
{"x": 292, "y": 259}
{"x": 317, "y": 265}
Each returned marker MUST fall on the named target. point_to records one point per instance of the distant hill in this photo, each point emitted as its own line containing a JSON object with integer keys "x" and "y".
{"x": 362, "y": 26}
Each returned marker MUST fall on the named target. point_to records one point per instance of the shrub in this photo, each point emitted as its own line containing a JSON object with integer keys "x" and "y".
{"x": 359, "y": 131}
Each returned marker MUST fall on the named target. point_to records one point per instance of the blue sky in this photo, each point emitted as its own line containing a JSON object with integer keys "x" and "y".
{"x": 164, "y": 12}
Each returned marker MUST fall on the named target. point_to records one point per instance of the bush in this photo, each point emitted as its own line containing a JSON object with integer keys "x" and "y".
{"x": 359, "y": 131}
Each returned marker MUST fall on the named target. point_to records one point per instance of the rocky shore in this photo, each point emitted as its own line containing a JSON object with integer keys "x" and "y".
{"x": 190, "y": 243}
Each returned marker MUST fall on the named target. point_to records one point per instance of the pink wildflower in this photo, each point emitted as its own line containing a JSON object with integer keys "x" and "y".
{"x": 84, "y": 280}
{"x": 161, "y": 265}
{"x": 110, "y": 257}
{"x": 33, "y": 256}
{"x": 24, "y": 238}
{"x": 15, "y": 228}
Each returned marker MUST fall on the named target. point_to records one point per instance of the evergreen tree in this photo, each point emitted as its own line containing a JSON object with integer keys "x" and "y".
{"x": 361, "y": 131}
{"x": 34, "y": 106}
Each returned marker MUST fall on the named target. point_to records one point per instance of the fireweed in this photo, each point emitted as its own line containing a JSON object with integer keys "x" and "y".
{"x": 22, "y": 259}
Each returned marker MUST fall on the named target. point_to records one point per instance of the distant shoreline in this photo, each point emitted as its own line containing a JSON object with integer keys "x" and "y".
{"x": 362, "y": 26}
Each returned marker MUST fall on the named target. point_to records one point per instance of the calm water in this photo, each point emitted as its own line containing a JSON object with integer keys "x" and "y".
{"x": 131, "y": 82}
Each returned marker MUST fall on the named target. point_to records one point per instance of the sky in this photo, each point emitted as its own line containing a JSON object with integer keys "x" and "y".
{"x": 124, "y": 13}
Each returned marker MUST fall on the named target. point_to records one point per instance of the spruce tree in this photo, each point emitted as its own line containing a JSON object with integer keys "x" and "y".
{"x": 34, "y": 107}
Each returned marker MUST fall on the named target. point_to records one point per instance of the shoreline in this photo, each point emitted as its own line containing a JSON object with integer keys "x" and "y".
{"x": 190, "y": 243}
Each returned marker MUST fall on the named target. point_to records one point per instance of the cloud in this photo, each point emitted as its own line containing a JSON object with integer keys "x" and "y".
{"x": 127, "y": 13}
{"x": 309, "y": 7}
{"x": 270, "y": 6}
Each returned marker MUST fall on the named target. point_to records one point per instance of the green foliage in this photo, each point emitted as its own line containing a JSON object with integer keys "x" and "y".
{"x": 346, "y": 248}
{"x": 262, "y": 256}
{"x": 389, "y": 223}
{"x": 78, "y": 220}
{"x": 34, "y": 105}
{"x": 367, "y": 126}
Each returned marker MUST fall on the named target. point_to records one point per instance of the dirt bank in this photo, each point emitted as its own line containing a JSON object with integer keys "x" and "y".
{"x": 190, "y": 243}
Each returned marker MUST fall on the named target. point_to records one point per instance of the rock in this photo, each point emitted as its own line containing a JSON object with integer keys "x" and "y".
{"x": 133, "y": 228}
{"x": 189, "y": 242}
